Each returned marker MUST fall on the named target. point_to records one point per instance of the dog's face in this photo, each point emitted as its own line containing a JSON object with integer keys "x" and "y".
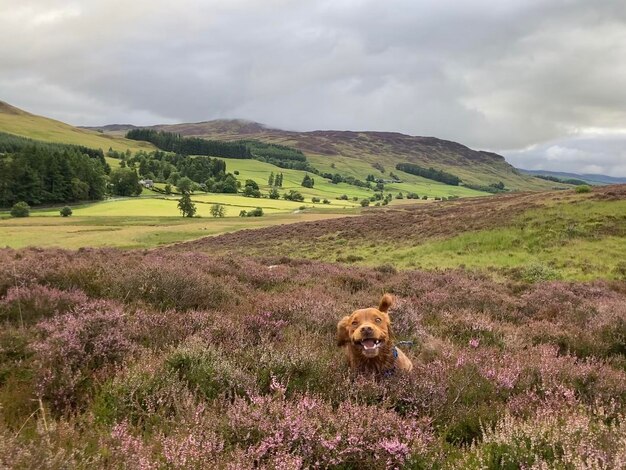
{"x": 367, "y": 330}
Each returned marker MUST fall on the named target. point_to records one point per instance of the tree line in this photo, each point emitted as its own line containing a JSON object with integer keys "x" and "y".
{"x": 275, "y": 154}
{"x": 572, "y": 181}
{"x": 176, "y": 143}
{"x": 208, "y": 173}
{"x": 41, "y": 173}
{"x": 429, "y": 173}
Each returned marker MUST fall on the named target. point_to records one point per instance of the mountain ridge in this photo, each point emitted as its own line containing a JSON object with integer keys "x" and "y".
{"x": 333, "y": 149}
{"x": 592, "y": 178}
{"x": 349, "y": 153}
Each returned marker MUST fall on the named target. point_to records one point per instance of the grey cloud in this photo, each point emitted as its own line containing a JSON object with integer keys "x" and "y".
{"x": 587, "y": 154}
{"x": 492, "y": 75}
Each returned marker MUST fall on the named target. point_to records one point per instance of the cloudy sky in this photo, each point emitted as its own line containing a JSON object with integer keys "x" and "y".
{"x": 541, "y": 81}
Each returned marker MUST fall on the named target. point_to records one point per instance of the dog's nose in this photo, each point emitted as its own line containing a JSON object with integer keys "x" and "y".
{"x": 367, "y": 330}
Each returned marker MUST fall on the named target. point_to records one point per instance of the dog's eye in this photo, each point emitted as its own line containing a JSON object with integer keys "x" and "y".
{"x": 355, "y": 323}
{"x": 378, "y": 320}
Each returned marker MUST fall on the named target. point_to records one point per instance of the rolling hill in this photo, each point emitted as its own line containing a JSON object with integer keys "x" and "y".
{"x": 353, "y": 153}
{"x": 594, "y": 179}
{"x": 18, "y": 122}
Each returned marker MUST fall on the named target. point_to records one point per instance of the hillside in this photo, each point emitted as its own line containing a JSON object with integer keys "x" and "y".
{"x": 163, "y": 359}
{"x": 561, "y": 234}
{"x": 589, "y": 178}
{"x": 18, "y": 122}
{"x": 353, "y": 153}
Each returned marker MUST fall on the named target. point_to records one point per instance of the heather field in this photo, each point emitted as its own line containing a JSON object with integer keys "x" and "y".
{"x": 174, "y": 360}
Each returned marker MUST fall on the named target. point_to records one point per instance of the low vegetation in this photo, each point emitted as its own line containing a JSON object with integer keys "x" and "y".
{"x": 571, "y": 235}
{"x": 156, "y": 360}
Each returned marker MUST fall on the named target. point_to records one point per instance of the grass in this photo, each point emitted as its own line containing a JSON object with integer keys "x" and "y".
{"x": 130, "y": 232}
{"x": 24, "y": 124}
{"x": 578, "y": 241}
{"x": 410, "y": 183}
{"x": 568, "y": 236}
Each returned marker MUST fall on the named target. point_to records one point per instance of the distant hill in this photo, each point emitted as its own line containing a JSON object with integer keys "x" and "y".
{"x": 590, "y": 178}
{"x": 18, "y": 122}
{"x": 351, "y": 152}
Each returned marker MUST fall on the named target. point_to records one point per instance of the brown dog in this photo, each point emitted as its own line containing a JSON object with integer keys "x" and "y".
{"x": 367, "y": 338}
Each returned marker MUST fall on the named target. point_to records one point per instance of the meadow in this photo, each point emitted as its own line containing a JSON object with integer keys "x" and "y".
{"x": 175, "y": 360}
{"x": 129, "y": 232}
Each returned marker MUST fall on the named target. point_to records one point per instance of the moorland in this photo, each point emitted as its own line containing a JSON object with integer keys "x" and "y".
{"x": 173, "y": 350}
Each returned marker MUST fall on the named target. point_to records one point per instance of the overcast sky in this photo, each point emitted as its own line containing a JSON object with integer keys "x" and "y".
{"x": 541, "y": 81}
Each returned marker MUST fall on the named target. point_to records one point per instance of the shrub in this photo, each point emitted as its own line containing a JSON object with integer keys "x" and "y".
{"x": 583, "y": 188}
{"x": 66, "y": 211}
{"x": 293, "y": 195}
{"x": 322, "y": 436}
{"x": 208, "y": 372}
{"x": 145, "y": 394}
{"x": 274, "y": 194}
{"x": 326, "y": 201}
{"x": 258, "y": 212}
{"x": 365, "y": 202}
{"x": 20, "y": 209}
{"x": 315, "y": 199}
{"x": 343, "y": 197}
{"x": 75, "y": 348}
{"x": 217, "y": 210}
{"x": 28, "y": 304}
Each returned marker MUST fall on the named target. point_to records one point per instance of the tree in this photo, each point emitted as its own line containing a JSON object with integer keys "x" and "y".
{"x": 278, "y": 180}
{"x": 229, "y": 184}
{"x": 186, "y": 206}
{"x": 270, "y": 180}
{"x": 125, "y": 182}
{"x": 307, "y": 181}
{"x": 185, "y": 185}
{"x": 20, "y": 209}
{"x": 365, "y": 202}
{"x": 217, "y": 210}
{"x": 251, "y": 189}
{"x": 66, "y": 211}
{"x": 168, "y": 188}
{"x": 274, "y": 194}
{"x": 293, "y": 196}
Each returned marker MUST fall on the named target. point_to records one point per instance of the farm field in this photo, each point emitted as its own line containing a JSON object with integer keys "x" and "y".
{"x": 131, "y": 231}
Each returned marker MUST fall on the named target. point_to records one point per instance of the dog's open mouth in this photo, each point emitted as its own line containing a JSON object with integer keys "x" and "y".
{"x": 370, "y": 344}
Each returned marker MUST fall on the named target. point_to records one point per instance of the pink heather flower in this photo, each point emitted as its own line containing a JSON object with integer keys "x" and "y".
{"x": 474, "y": 342}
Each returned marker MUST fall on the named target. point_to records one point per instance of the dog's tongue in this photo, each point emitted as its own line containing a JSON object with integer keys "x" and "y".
{"x": 368, "y": 343}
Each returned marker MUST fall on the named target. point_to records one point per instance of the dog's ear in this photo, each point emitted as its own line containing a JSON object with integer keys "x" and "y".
{"x": 343, "y": 337}
{"x": 385, "y": 303}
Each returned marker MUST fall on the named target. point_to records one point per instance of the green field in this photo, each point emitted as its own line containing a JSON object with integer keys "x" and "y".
{"x": 18, "y": 122}
{"x": 260, "y": 172}
{"x": 131, "y": 231}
